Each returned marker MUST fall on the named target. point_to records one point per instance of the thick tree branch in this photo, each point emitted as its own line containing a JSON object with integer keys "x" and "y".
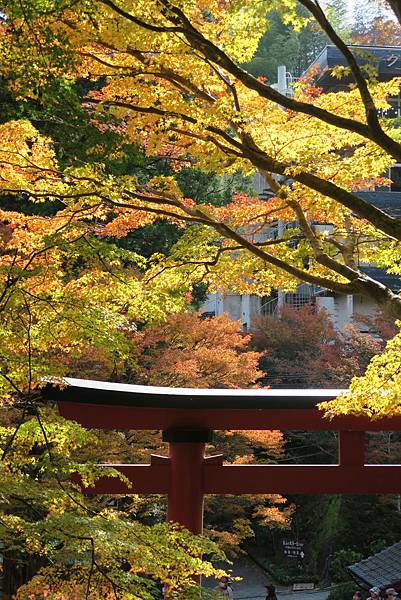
{"x": 389, "y": 225}
{"x": 320, "y": 255}
{"x": 370, "y": 108}
{"x": 213, "y": 53}
{"x": 247, "y": 148}
{"x": 258, "y": 251}
{"x": 358, "y": 281}
{"x": 396, "y": 6}
{"x": 155, "y": 28}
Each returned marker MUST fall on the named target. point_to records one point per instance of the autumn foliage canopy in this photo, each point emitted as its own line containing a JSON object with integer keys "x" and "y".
{"x": 163, "y": 80}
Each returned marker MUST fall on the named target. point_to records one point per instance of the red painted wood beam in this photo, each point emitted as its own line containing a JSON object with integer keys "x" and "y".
{"x": 302, "y": 479}
{"x": 129, "y": 417}
{"x": 257, "y": 479}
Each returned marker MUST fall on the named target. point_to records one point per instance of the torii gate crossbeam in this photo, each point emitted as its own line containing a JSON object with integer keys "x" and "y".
{"x": 187, "y": 418}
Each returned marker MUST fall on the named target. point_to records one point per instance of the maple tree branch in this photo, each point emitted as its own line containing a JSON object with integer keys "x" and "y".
{"x": 229, "y": 84}
{"x": 155, "y": 28}
{"x": 218, "y": 56}
{"x": 358, "y": 282}
{"x": 92, "y": 568}
{"x": 389, "y": 225}
{"x": 86, "y": 509}
{"x": 9, "y": 283}
{"x": 52, "y": 304}
{"x": 29, "y": 345}
{"x": 164, "y": 72}
{"x": 11, "y": 383}
{"x": 165, "y": 113}
{"x": 370, "y": 108}
{"x": 213, "y": 262}
{"x": 386, "y": 223}
{"x": 51, "y": 459}
{"x": 13, "y": 436}
{"x": 46, "y": 249}
{"x": 350, "y": 243}
{"x": 112, "y": 65}
{"x": 320, "y": 256}
{"x": 267, "y": 214}
{"x": 272, "y": 242}
{"x": 207, "y": 138}
{"x": 259, "y": 159}
{"x": 104, "y": 199}
{"x": 153, "y": 110}
{"x": 94, "y": 563}
{"x": 266, "y": 164}
{"x": 75, "y": 213}
{"x": 255, "y": 249}
{"x": 300, "y": 274}
{"x": 361, "y": 282}
{"x": 180, "y": 82}
{"x": 173, "y": 76}
{"x": 161, "y": 212}
{"x": 396, "y": 7}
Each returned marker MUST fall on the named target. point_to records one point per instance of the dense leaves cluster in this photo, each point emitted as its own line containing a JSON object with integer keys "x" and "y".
{"x": 87, "y": 548}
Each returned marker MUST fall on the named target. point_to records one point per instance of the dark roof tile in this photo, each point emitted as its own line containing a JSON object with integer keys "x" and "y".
{"x": 388, "y": 202}
{"x": 382, "y": 569}
{"x": 388, "y": 279}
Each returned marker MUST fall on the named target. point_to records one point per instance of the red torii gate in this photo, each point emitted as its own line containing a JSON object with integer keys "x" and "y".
{"x": 187, "y": 418}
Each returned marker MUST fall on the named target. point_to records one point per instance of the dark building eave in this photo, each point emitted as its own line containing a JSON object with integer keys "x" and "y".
{"x": 386, "y": 59}
{"x": 382, "y": 569}
{"x": 387, "y": 201}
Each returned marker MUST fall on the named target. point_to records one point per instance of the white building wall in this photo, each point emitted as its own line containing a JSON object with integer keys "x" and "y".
{"x": 339, "y": 308}
{"x": 255, "y": 306}
{"x": 328, "y": 303}
{"x": 364, "y": 306}
{"x": 243, "y": 308}
{"x": 344, "y": 310}
{"x": 214, "y": 303}
{"x": 232, "y": 305}
{"x": 247, "y": 308}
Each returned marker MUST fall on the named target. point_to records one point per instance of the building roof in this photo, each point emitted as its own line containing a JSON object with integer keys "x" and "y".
{"x": 393, "y": 282}
{"x": 388, "y": 202}
{"x": 386, "y": 59}
{"x": 382, "y": 569}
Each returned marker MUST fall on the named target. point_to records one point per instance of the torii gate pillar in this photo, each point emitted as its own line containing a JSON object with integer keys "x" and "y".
{"x": 185, "y": 496}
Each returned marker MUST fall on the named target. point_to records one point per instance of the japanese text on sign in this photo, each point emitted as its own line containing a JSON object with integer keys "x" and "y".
{"x": 293, "y": 549}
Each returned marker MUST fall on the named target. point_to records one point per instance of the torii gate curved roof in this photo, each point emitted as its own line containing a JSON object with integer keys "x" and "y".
{"x": 126, "y": 406}
{"x": 127, "y": 394}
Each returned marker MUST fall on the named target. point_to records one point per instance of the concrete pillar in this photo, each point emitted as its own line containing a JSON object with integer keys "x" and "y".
{"x": 282, "y": 79}
{"x": 246, "y": 311}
